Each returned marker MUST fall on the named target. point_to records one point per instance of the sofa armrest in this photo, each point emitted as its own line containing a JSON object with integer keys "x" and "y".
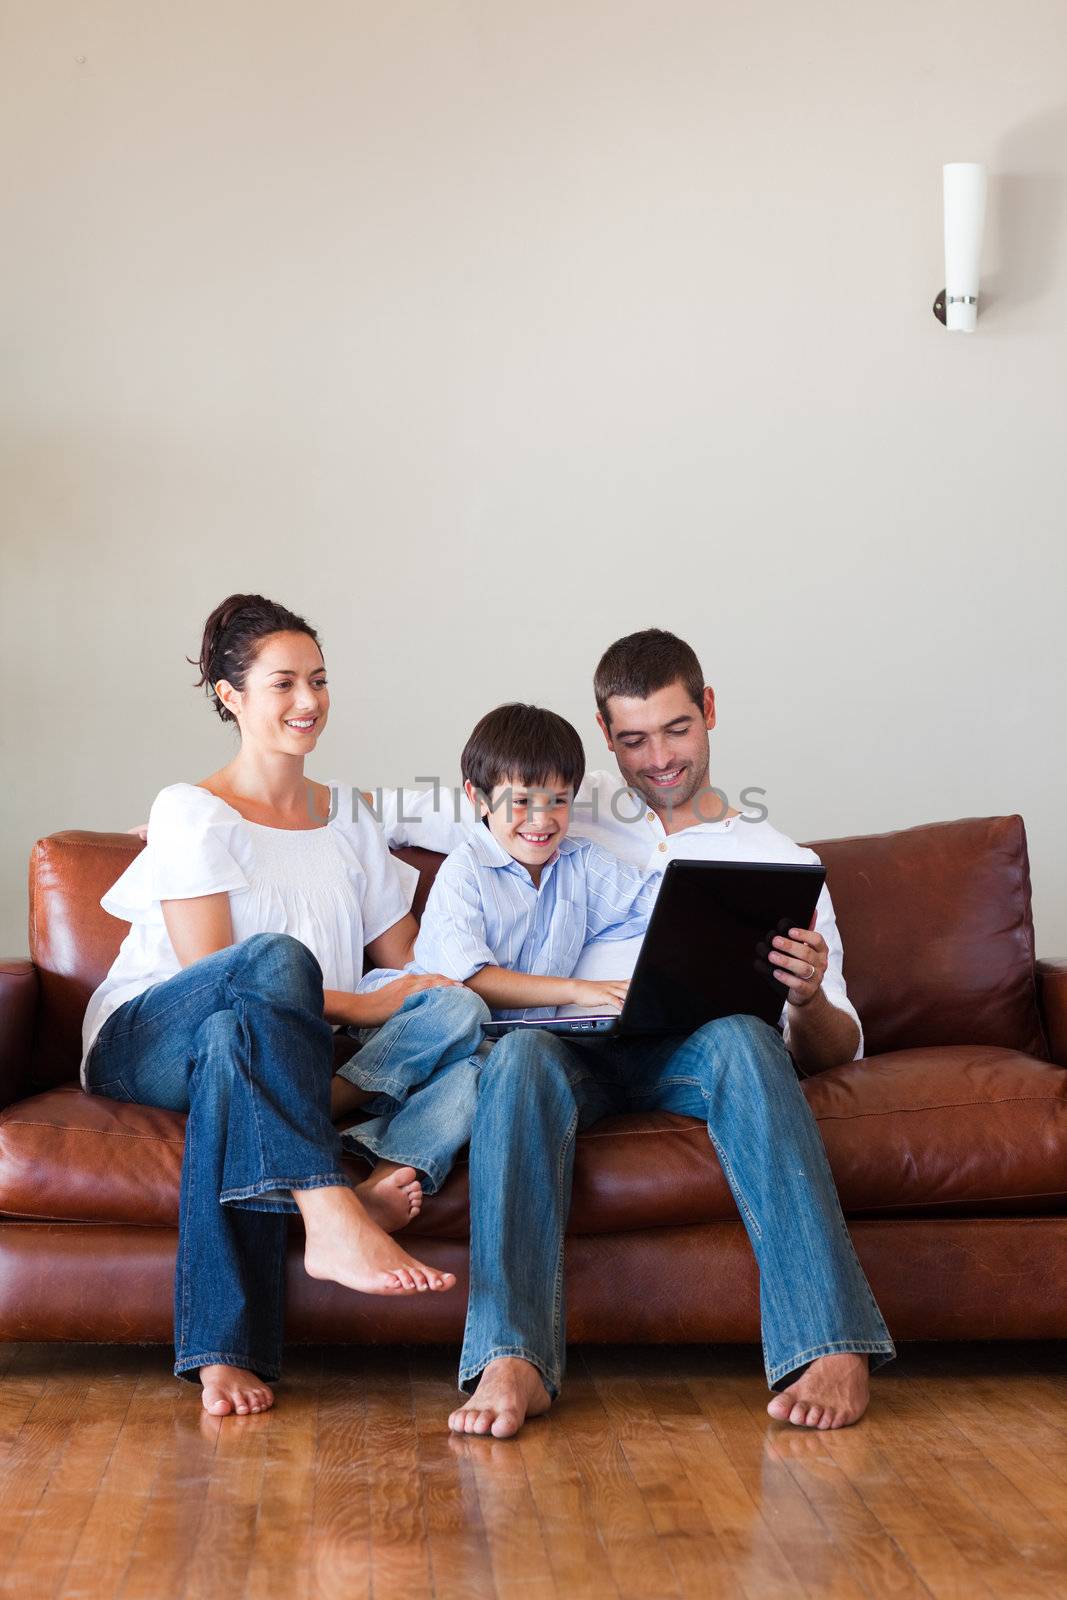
{"x": 18, "y": 1011}
{"x": 1052, "y": 998}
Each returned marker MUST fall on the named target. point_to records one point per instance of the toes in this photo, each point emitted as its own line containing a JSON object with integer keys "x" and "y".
{"x": 506, "y": 1425}
{"x": 797, "y": 1415}
{"x": 826, "y": 1420}
{"x": 218, "y": 1407}
{"x": 779, "y": 1408}
{"x": 812, "y": 1418}
{"x": 418, "y": 1277}
{"x": 442, "y": 1280}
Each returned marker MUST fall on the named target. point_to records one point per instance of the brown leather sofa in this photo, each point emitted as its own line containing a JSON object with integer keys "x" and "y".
{"x": 948, "y": 1142}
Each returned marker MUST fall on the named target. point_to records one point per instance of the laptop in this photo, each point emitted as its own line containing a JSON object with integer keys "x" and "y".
{"x": 704, "y": 954}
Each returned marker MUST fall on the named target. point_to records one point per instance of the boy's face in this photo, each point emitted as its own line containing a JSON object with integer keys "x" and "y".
{"x": 527, "y": 820}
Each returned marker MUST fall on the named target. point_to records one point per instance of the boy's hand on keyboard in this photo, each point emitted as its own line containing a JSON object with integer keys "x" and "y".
{"x": 603, "y": 995}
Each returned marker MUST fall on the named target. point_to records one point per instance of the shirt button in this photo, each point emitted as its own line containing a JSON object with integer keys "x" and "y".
{"x": 650, "y": 816}
{"x": 663, "y": 845}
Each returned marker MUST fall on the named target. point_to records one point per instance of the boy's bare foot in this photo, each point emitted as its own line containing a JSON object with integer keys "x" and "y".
{"x": 391, "y": 1196}
{"x": 509, "y": 1391}
{"x": 232, "y": 1389}
{"x": 832, "y": 1393}
{"x": 345, "y": 1246}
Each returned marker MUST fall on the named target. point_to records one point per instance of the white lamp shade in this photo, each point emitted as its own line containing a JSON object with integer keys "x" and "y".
{"x": 965, "y": 187}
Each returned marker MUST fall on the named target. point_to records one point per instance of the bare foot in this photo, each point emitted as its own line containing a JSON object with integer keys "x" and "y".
{"x": 509, "y": 1391}
{"x": 345, "y": 1246}
{"x": 232, "y": 1389}
{"x": 832, "y": 1393}
{"x": 391, "y": 1196}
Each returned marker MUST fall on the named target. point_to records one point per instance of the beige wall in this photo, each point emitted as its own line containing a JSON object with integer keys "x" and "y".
{"x": 484, "y": 332}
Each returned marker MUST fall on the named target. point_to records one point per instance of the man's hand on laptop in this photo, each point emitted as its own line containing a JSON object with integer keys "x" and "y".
{"x": 799, "y": 957}
{"x": 603, "y": 995}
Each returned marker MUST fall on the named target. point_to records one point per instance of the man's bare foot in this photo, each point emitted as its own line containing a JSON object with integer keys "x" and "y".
{"x": 509, "y": 1391}
{"x": 391, "y": 1196}
{"x": 345, "y": 1246}
{"x": 232, "y": 1389}
{"x": 832, "y": 1393}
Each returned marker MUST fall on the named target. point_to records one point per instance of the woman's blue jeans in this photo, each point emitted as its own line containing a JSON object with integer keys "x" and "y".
{"x": 239, "y": 1041}
{"x": 538, "y": 1089}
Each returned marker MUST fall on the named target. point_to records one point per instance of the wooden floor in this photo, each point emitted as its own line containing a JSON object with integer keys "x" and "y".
{"x": 659, "y": 1475}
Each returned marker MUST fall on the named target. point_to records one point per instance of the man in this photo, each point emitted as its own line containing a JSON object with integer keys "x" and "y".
{"x": 821, "y": 1328}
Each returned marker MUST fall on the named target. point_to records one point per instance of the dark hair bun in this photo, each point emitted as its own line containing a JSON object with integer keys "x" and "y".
{"x": 233, "y": 636}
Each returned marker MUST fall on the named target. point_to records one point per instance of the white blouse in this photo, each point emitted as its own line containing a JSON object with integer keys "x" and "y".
{"x": 335, "y": 888}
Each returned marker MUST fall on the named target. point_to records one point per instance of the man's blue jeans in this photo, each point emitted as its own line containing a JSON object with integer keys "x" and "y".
{"x": 537, "y": 1090}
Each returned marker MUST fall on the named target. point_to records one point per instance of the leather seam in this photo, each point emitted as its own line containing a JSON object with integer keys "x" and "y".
{"x": 106, "y": 1133}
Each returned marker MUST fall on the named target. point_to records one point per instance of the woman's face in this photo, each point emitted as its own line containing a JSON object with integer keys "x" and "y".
{"x": 285, "y": 702}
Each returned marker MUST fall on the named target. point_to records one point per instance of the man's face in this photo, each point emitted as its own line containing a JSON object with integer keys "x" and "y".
{"x": 661, "y": 744}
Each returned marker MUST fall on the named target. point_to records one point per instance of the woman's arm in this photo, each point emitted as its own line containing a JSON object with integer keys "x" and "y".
{"x": 395, "y": 947}
{"x": 198, "y": 927}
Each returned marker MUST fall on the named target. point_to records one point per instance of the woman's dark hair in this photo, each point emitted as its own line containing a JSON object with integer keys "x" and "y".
{"x": 524, "y": 743}
{"x": 233, "y": 636}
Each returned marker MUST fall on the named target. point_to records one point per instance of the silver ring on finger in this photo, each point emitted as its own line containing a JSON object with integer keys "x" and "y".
{"x": 811, "y": 974}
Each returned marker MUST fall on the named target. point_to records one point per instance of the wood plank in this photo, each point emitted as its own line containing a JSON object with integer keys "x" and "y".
{"x": 51, "y": 1537}
{"x": 461, "y": 1564}
{"x": 723, "y": 1382}
{"x": 340, "y": 1534}
{"x": 611, "y": 1495}
{"x": 34, "y": 1452}
{"x": 517, "y": 1551}
{"x": 116, "y": 1506}
{"x": 280, "y": 1559}
{"x": 167, "y": 1540}
{"x": 714, "y": 1532}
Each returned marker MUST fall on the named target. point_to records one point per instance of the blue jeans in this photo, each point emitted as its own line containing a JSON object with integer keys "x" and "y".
{"x": 239, "y": 1041}
{"x": 422, "y": 1069}
{"x": 538, "y": 1089}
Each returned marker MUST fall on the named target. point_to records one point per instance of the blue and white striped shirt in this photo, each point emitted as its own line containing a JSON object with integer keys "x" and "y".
{"x": 484, "y": 910}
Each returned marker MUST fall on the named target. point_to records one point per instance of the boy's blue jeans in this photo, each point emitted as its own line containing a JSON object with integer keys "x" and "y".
{"x": 239, "y": 1041}
{"x": 430, "y": 1046}
{"x": 538, "y": 1089}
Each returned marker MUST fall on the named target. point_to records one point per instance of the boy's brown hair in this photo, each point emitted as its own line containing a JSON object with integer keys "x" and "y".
{"x": 524, "y": 743}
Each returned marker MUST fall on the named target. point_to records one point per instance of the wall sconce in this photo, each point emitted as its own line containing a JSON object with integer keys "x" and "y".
{"x": 957, "y": 304}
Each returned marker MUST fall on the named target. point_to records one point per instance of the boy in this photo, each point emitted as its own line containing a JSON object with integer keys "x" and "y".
{"x": 509, "y": 914}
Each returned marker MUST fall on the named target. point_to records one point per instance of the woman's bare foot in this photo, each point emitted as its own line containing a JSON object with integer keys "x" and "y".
{"x": 345, "y": 1246}
{"x": 232, "y": 1389}
{"x": 833, "y": 1393}
{"x": 391, "y": 1196}
{"x": 509, "y": 1391}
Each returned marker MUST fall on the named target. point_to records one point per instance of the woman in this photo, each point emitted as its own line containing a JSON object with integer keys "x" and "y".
{"x": 249, "y": 911}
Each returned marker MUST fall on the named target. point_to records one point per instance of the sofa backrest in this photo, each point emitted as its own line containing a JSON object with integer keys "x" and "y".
{"x": 938, "y": 934}
{"x": 935, "y": 921}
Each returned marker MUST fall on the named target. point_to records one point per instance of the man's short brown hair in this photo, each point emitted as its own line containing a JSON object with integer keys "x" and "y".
{"x": 522, "y": 743}
{"x": 638, "y": 665}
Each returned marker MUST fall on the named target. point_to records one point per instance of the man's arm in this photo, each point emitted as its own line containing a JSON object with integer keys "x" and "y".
{"x": 821, "y": 1035}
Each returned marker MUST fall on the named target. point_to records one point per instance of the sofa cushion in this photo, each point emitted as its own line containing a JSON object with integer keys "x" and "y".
{"x": 912, "y": 1132}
